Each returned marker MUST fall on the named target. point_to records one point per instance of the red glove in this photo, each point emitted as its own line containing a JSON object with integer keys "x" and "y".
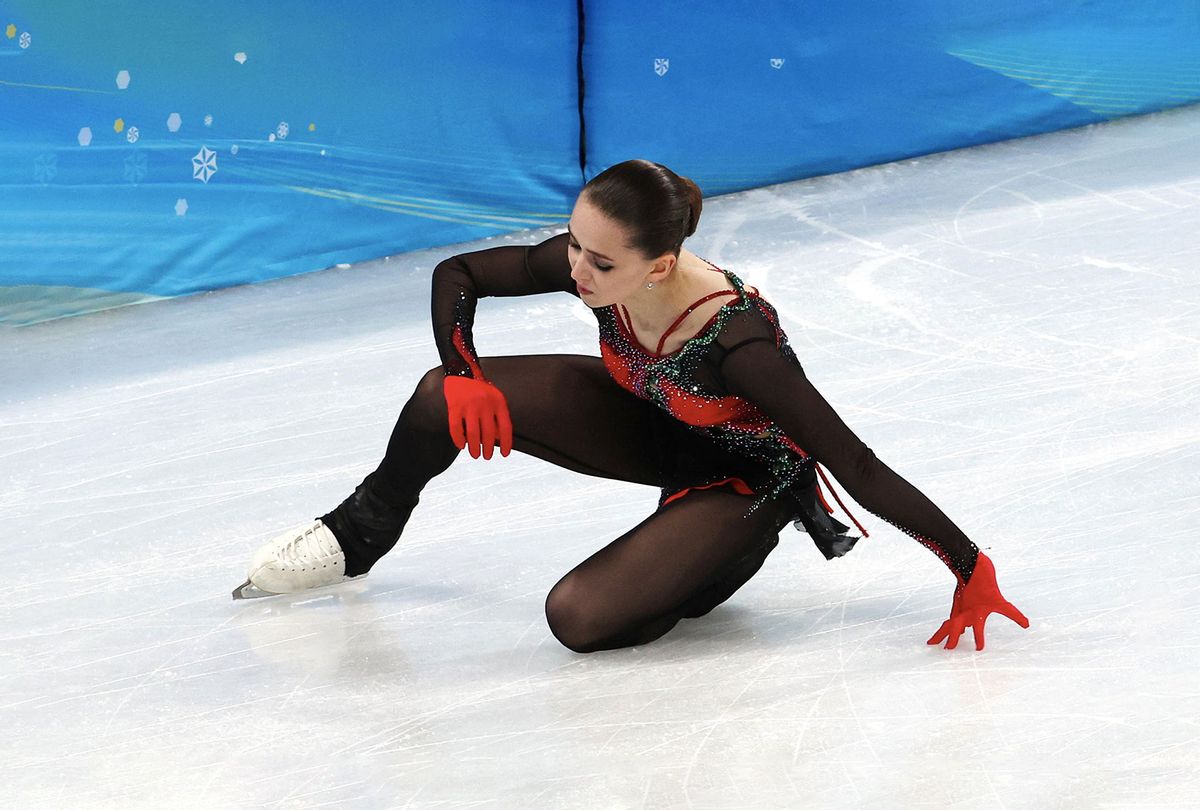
{"x": 972, "y": 605}
{"x": 482, "y": 408}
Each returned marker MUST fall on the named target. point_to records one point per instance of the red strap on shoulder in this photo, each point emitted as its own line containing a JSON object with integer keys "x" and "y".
{"x": 687, "y": 312}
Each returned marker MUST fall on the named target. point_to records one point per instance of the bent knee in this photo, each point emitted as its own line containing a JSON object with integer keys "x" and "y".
{"x": 570, "y": 621}
{"x": 431, "y": 382}
{"x": 426, "y": 408}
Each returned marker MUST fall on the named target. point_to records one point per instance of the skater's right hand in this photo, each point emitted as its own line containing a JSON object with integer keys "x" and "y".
{"x": 478, "y": 416}
{"x": 973, "y": 603}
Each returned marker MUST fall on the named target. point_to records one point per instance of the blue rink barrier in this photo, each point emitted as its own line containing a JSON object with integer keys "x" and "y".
{"x": 147, "y": 154}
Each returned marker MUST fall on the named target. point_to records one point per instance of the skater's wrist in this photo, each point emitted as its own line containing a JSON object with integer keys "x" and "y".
{"x": 466, "y": 375}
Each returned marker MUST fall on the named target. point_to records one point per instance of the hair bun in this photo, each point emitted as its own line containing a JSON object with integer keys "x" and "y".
{"x": 658, "y": 208}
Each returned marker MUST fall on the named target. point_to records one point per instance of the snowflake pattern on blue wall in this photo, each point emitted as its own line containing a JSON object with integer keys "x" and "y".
{"x": 204, "y": 164}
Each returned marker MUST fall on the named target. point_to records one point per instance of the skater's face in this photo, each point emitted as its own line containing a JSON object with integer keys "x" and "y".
{"x": 603, "y": 265}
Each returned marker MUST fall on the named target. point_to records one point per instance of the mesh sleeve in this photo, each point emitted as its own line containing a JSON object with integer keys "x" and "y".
{"x": 460, "y": 281}
{"x": 759, "y": 366}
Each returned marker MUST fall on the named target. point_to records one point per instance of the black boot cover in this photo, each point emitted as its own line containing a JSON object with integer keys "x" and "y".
{"x": 366, "y": 527}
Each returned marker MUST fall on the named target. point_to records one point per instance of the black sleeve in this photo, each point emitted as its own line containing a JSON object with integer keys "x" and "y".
{"x": 461, "y": 280}
{"x": 759, "y": 366}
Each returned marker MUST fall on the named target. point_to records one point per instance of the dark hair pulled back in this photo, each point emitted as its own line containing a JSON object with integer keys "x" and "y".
{"x": 657, "y": 208}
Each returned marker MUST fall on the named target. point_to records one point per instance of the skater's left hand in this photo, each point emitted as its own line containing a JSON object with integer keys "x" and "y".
{"x": 479, "y": 417}
{"x": 972, "y": 605}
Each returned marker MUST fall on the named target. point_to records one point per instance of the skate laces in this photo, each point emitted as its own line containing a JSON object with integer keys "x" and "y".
{"x": 309, "y": 544}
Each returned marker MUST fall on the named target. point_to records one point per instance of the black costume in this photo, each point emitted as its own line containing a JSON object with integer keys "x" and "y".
{"x": 727, "y": 416}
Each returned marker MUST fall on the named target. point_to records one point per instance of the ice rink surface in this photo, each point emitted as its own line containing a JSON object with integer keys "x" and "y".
{"x": 1013, "y": 328}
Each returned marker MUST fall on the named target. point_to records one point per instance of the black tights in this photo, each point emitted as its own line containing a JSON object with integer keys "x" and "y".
{"x": 681, "y": 561}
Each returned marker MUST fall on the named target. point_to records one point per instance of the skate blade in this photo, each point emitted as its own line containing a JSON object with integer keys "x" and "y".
{"x": 248, "y": 590}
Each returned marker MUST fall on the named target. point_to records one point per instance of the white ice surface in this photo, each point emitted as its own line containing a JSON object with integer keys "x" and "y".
{"x": 1012, "y": 327}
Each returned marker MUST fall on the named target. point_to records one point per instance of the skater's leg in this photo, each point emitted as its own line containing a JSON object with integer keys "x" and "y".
{"x": 565, "y": 409}
{"x": 681, "y": 561}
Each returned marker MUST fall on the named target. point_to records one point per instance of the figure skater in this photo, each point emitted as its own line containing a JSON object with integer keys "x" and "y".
{"x": 696, "y": 392}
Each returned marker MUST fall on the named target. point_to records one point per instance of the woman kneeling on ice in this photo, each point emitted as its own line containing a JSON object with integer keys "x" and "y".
{"x": 697, "y": 392}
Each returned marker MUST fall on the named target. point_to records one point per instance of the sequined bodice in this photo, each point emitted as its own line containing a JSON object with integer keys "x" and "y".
{"x": 678, "y": 382}
{"x": 670, "y": 379}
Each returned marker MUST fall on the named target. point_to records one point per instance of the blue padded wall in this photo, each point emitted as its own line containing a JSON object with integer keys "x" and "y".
{"x": 776, "y": 90}
{"x": 345, "y": 132}
{"x": 150, "y": 149}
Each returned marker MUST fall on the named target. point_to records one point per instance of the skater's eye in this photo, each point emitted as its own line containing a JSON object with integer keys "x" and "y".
{"x": 572, "y": 246}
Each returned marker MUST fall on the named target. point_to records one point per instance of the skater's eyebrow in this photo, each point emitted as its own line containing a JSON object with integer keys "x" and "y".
{"x": 594, "y": 253}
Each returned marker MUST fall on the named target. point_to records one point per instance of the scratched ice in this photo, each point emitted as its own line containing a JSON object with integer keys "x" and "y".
{"x": 1012, "y": 327}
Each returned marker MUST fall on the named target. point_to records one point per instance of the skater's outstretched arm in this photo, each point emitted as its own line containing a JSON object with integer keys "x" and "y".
{"x": 460, "y": 281}
{"x": 760, "y": 366}
{"x": 769, "y": 376}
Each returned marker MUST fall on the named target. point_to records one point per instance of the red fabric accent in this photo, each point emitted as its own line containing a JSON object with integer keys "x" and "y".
{"x": 461, "y": 345}
{"x": 707, "y": 411}
{"x": 788, "y": 441}
{"x": 740, "y": 486}
{"x": 839, "y": 500}
{"x": 619, "y": 368}
{"x": 694, "y": 410}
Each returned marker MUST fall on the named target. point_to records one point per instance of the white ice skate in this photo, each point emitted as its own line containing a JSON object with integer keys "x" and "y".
{"x": 306, "y": 557}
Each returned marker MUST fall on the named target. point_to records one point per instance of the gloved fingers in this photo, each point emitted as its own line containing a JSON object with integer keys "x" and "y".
{"x": 977, "y": 627}
{"x": 501, "y": 421}
{"x": 452, "y": 390}
{"x": 488, "y": 426}
{"x": 956, "y": 630}
{"x": 504, "y": 423}
{"x": 941, "y": 633}
{"x": 1010, "y": 610}
{"x": 457, "y": 434}
{"x": 473, "y": 440}
{"x": 504, "y": 428}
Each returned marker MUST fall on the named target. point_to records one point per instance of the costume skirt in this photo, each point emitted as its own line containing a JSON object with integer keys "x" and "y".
{"x": 690, "y": 461}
